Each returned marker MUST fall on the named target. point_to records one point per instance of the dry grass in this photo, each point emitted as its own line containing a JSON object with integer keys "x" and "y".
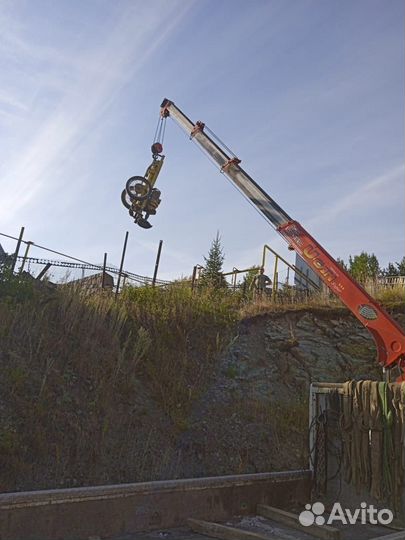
{"x": 267, "y": 305}
{"x": 388, "y": 297}
{"x": 80, "y": 373}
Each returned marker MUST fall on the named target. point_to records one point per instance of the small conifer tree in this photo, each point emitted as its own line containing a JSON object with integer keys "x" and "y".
{"x": 212, "y": 275}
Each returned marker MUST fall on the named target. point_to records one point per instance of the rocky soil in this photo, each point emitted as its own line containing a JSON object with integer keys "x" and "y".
{"x": 254, "y": 415}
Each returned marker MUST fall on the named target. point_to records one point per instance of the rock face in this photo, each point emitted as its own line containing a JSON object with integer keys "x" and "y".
{"x": 254, "y": 415}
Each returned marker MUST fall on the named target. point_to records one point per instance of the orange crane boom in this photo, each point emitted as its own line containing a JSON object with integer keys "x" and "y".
{"x": 388, "y": 335}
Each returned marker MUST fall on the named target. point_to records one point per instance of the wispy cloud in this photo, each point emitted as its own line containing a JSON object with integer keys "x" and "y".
{"x": 375, "y": 194}
{"x": 93, "y": 83}
{"x": 296, "y": 98}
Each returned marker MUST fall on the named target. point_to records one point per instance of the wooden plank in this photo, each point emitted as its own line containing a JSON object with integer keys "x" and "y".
{"x": 225, "y": 532}
{"x": 326, "y": 532}
{"x": 399, "y": 535}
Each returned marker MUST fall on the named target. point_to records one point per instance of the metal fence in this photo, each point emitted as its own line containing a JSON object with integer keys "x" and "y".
{"x": 76, "y": 268}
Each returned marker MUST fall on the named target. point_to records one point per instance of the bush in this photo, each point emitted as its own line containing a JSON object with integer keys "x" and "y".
{"x": 15, "y": 287}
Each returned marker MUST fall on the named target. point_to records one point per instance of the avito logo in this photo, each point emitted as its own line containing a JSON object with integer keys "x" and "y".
{"x": 313, "y": 514}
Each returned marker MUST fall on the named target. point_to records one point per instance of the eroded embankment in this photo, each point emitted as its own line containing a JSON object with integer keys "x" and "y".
{"x": 161, "y": 385}
{"x": 254, "y": 415}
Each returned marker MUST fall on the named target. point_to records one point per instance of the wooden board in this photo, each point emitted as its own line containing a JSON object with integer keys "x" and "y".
{"x": 291, "y": 520}
{"x": 225, "y": 532}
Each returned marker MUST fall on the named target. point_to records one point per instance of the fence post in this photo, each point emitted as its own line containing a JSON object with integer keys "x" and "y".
{"x": 17, "y": 249}
{"x": 29, "y": 244}
{"x": 275, "y": 279}
{"x": 43, "y": 271}
{"x": 124, "y": 249}
{"x": 104, "y": 265}
{"x": 234, "y": 277}
{"x": 157, "y": 263}
{"x": 193, "y": 277}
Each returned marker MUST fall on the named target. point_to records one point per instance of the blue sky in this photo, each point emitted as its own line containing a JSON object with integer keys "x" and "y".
{"x": 309, "y": 94}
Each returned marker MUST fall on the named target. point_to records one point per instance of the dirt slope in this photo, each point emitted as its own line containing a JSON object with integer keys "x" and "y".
{"x": 82, "y": 414}
{"x": 254, "y": 415}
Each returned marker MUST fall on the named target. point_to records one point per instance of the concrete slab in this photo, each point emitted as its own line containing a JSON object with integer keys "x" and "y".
{"x": 110, "y": 511}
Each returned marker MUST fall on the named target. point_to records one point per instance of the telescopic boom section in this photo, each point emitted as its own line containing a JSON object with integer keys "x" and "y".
{"x": 388, "y": 335}
{"x": 228, "y": 165}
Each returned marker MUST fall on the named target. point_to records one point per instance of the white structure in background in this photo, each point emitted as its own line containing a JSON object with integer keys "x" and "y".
{"x": 299, "y": 281}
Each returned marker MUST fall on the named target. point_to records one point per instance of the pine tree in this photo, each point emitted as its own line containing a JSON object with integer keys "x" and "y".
{"x": 212, "y": 275}
{"x": 397, "y": 269}
{"x": 391, "y": 270}
{"x": 250, "y": 276}
{"x": 401, "y": 267}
